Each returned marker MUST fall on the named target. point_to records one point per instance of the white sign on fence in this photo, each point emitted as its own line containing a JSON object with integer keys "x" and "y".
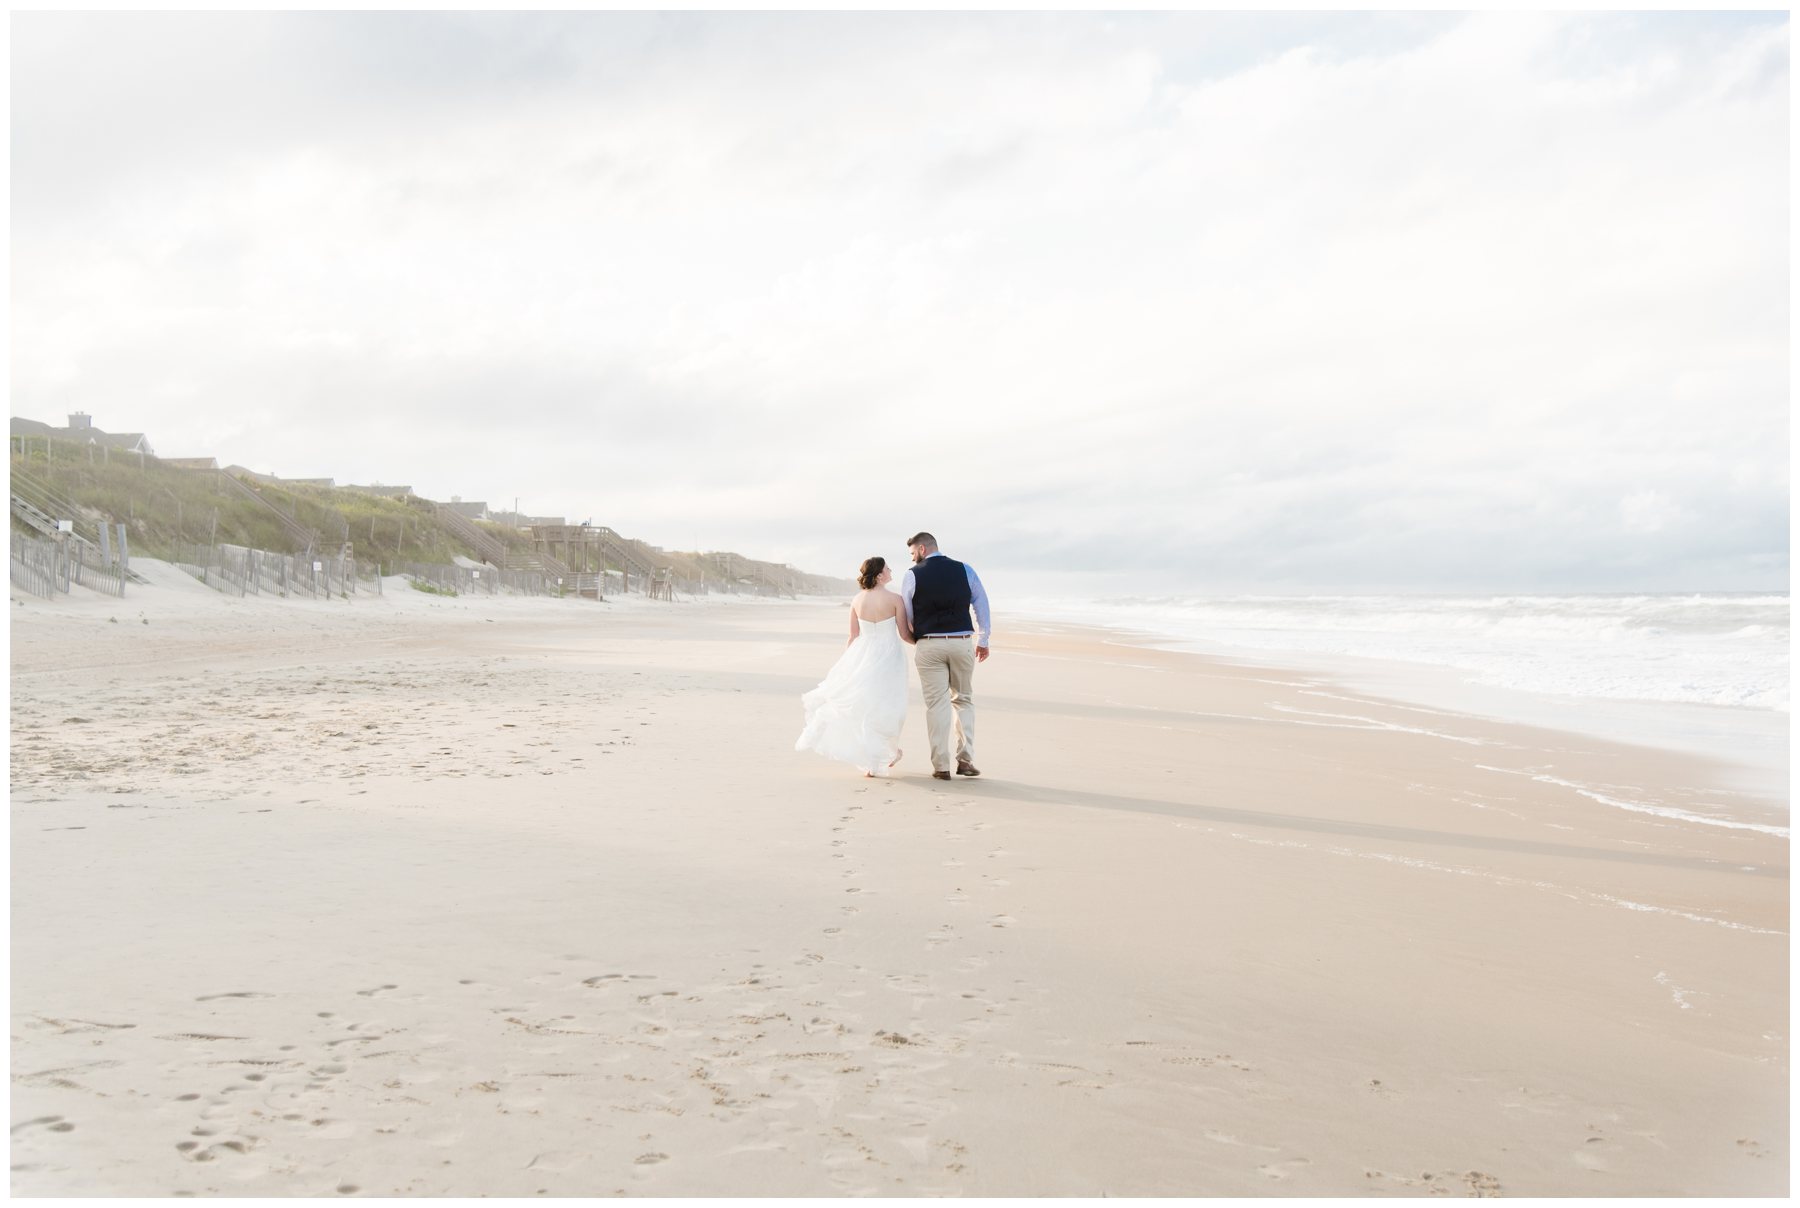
{"x": 317, "y": 567}
{"x": 476, "y": 573}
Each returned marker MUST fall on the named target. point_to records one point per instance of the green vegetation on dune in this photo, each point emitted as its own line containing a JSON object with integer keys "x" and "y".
{"x": 165, "y": 507}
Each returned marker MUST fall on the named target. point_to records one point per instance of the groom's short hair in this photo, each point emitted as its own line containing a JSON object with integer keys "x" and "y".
{"x": 924, "y": 539}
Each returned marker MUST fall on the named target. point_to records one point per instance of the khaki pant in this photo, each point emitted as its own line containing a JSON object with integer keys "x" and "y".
{"x": 947, "y": 678}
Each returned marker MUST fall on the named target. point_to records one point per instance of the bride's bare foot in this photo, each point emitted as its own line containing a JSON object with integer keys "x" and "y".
{"x": 896, "y": 759}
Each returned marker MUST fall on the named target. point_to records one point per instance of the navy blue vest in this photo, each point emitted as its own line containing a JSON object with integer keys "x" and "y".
{"x": 941, "y": 597}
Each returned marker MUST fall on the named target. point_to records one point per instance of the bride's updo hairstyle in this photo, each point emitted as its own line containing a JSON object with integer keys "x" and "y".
{"x": 869, "y": 571}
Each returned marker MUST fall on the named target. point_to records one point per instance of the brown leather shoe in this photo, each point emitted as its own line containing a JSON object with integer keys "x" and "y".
{"x": 940, "y": 775}
{"x": 965, "y": 768}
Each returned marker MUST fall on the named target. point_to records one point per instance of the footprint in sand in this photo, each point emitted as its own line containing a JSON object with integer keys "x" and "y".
{"x": 66, "y": 1026}
{"x": 52, "y": 1123}
{"x": 1476, "y": 1184}
{"x": 1282, "y": 1171}
{"x": 1215, "y": 1059}
{"x": 1480, "y": 1185}
{"x": 1592, "y": 1154}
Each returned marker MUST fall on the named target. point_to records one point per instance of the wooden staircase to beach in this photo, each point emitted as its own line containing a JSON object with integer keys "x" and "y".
{"x": 39, "y": 507}
{"x": 491, "y": 549}
{"x": 305, "y": 539}
{"x": 592, "y": 551}
{"x": 495, "y": 553}
{"x": 625, "y": 553}
{"x": 486, "y": 546}
{"x": 593, "y": 546}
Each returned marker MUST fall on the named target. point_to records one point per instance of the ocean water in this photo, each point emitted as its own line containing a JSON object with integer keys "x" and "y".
{"x": 1704, "y": 673}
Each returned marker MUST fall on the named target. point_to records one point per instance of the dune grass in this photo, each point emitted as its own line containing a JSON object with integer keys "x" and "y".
{"x": 165, "y": 507}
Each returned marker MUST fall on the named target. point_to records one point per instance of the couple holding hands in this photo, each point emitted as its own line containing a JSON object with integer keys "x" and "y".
{"x": 941, "y": 610}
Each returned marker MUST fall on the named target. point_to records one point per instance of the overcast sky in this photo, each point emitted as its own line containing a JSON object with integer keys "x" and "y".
{"x": 1274, "y": 303}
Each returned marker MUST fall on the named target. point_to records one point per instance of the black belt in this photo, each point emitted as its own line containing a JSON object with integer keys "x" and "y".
{"x": 946, "y": 635}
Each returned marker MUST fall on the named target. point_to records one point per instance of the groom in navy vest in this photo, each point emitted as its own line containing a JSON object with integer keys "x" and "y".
{"x": 948, "y": 611}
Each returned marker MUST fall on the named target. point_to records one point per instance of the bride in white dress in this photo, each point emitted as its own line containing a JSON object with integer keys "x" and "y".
{"x": 855, "y": 715}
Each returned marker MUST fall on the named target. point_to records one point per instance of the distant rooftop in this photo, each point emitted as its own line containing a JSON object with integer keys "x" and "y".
{"x": 81, "y": 428}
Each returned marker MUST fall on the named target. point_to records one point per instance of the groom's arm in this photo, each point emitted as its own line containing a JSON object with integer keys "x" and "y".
{"x": 906, "y": 595}
{"x": 979, "y": 602}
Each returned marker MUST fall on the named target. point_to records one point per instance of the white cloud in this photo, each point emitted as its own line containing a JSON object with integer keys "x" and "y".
{"x": 1328, "y": 301}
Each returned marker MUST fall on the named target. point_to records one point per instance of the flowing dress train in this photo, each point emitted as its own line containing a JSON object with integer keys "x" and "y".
{"x": 856, "y": 713}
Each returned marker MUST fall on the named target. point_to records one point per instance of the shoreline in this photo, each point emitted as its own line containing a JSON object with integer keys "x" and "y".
{"x": 439, "y": 897}
{"x": 1744, "y": 748}
{"x": 1693, "y": 776}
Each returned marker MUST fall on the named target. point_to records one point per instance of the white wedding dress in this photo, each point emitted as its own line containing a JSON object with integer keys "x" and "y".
{"x": 855, "y": 715}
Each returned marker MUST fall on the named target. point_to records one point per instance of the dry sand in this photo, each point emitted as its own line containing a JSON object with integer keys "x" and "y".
{"x": 509, "y": 897}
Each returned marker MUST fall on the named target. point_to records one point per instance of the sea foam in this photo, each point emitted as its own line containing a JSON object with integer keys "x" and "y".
{"x": 1725, "y": 650}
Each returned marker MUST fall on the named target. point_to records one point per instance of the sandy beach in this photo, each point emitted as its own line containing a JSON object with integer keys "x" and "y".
{"x": 419, "y": 896}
